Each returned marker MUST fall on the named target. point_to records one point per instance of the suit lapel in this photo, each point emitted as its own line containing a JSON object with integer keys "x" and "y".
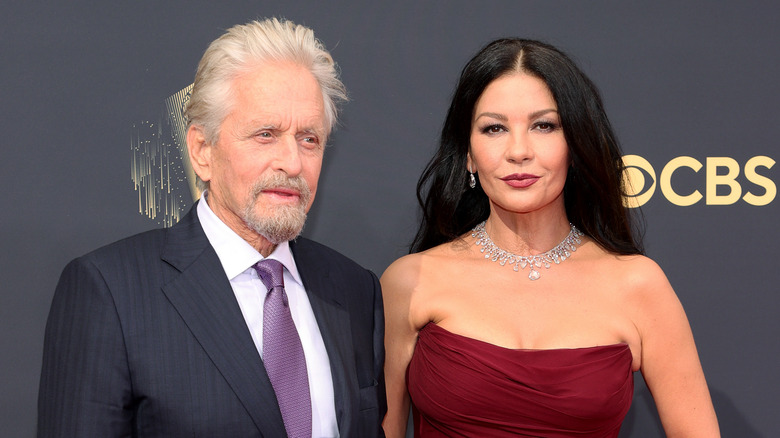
{"x": 203, "y": 297}
{"x": 333, "y": 320}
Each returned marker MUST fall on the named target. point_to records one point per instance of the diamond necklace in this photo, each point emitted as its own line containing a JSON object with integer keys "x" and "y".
{"x": 556, "y": 255}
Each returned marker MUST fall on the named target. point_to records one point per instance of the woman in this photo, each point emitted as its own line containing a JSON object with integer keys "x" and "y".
{"x": 526, "y": 304}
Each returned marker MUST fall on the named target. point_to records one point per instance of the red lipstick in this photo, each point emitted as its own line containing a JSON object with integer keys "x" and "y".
{"x": 520, "y": 180}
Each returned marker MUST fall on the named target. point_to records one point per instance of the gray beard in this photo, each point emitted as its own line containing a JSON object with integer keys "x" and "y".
{"x": 278, "y": 223}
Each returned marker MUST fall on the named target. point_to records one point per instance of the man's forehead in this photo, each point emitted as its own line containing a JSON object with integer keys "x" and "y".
{"x": 280, "y": 96}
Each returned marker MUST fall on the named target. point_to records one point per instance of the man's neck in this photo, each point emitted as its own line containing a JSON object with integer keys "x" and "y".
{"x": 259, "y": 242}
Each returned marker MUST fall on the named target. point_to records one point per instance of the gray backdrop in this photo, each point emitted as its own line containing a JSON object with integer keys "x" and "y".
{"x": 81, "y": 81}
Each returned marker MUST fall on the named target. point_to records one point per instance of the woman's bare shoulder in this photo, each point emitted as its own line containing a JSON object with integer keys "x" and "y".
{"x": 642, "y": 284}
{"x": 633, "y": 278}
{"x": 641, "y": 273}
{"x": 407, "y": 272}
{"x": 400, "y": 271}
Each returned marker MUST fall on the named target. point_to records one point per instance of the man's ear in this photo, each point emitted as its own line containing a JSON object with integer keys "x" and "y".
{"x": 200, "y": 152}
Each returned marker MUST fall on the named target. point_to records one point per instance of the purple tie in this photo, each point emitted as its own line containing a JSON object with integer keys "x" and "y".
{"x": 283, "y": 353}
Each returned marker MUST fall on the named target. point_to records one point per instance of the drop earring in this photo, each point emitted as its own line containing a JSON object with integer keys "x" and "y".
{"x": 472, "y": 180}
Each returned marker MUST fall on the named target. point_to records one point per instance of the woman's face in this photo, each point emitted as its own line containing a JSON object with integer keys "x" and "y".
{"x": 518, "y": 149}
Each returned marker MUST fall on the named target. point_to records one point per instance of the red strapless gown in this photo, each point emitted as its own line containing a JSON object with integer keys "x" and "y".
{"x": 462, "y": 387}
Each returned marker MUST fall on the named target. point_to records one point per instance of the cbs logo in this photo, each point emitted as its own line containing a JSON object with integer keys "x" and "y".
{"x": 640, "y": 181}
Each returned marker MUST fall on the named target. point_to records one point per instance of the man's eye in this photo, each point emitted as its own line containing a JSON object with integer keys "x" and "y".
{"x": 310, "y": 140}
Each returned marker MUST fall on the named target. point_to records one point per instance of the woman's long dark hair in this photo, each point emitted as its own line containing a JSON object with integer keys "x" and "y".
{"x": 593, "y": 192}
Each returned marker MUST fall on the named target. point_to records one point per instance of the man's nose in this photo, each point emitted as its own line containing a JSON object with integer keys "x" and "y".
{"x": 288, "y": 156}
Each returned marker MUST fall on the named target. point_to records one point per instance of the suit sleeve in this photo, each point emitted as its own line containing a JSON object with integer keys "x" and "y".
{"x": 379, "y": 350}
{"x": 85, "y": 388}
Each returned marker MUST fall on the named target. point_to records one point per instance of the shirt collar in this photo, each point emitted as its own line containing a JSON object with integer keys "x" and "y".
{"x": 236, "y": 254}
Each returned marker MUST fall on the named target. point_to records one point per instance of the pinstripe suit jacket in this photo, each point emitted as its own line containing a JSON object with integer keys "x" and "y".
{"x": 145, "y": 339}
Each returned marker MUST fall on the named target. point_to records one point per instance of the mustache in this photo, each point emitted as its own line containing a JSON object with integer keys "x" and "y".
{"x": 280, "y": 180}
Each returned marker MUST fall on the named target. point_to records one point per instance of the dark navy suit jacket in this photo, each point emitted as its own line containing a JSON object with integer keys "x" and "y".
{"x": 146, "y": 339}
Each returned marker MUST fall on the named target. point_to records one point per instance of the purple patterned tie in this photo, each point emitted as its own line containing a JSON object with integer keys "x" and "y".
{"x": 283, "y": 353}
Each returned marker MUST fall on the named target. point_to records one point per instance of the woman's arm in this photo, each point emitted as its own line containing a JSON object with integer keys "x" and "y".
{"x": 398, "y": 283}
{"x": 669, "y": 360}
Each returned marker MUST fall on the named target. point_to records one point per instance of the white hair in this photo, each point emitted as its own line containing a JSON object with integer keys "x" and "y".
{"x": 245, "y": 46}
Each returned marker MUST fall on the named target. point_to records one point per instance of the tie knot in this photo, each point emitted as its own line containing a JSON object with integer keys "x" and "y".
{"x": 271, "y": 273}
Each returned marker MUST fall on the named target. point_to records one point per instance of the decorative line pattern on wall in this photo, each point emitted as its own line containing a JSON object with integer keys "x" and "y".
{"x": 160, "y": 167}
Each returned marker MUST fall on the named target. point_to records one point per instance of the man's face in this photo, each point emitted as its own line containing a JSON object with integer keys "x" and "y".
{"x": 264, "y": 168}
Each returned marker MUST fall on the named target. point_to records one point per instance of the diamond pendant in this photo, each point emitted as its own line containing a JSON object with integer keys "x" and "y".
{"x": 534, "y": 274}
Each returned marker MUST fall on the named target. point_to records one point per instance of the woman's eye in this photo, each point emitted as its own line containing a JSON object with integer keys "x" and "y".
{"x": 493, "y": 129}
{"x": 546, "y": 126}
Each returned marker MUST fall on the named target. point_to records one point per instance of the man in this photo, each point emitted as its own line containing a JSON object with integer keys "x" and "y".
{"x": 226, "y": 325}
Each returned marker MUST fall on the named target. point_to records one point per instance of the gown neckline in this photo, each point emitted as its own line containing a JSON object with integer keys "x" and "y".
{"x": 521, "y": 350}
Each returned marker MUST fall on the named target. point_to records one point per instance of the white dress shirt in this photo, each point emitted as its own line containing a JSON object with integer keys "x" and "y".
{"x": 237, "y": 257}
